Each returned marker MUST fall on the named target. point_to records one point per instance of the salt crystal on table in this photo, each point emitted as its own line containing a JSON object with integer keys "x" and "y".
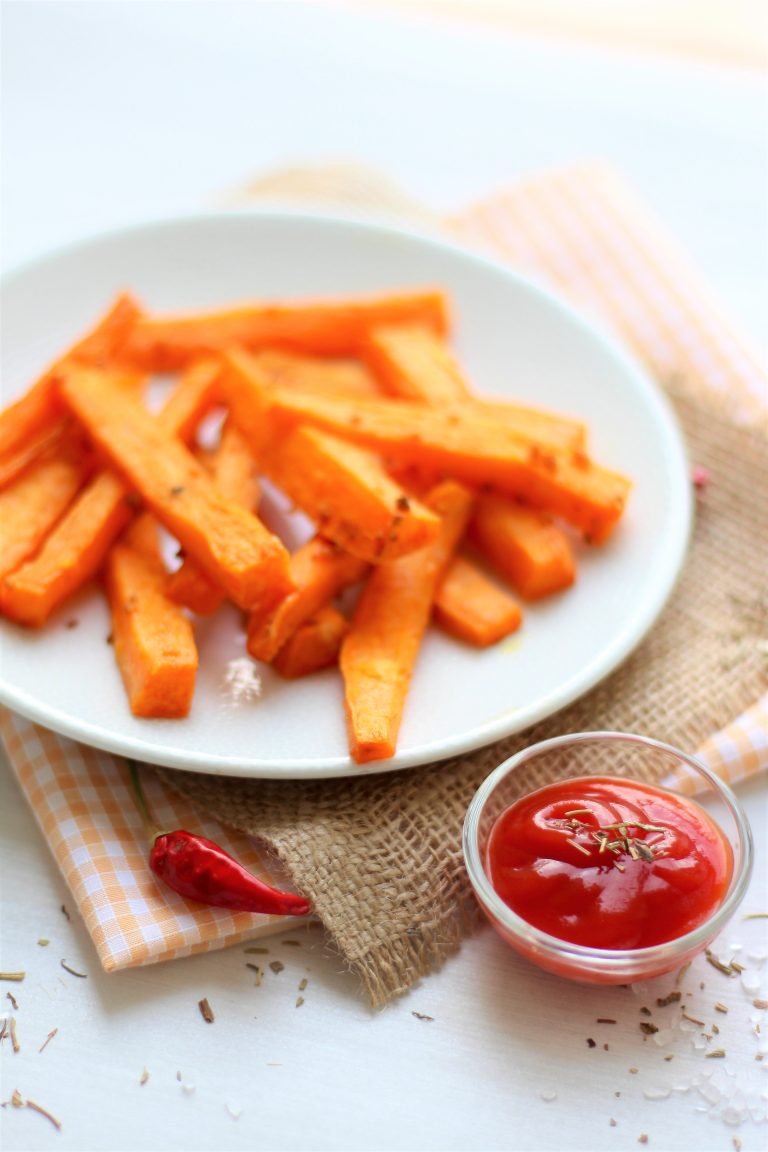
{"x": 731, "y": 1115}
{"x": 234, "y": 1110}
{"x": 663, "y": 1036}
{"x": 656, "y": 1093}
{"x": 548, "y": 1094}
{"x": 750, "y": 982}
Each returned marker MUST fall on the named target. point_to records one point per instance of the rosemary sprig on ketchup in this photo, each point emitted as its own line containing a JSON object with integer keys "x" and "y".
{"x": 609, "y": 863}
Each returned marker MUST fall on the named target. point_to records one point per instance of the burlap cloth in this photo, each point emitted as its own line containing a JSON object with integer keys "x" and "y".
{"x": 380, "y": 856}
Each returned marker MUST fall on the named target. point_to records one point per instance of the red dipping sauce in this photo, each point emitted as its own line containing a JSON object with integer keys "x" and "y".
{"x": 609, "y": 863}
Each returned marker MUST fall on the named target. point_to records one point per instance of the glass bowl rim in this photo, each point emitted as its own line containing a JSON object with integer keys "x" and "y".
{"x": 603, "y": 958}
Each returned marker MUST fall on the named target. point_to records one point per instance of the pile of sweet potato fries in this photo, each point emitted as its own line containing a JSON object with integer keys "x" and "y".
{"x": 441, "y": 505}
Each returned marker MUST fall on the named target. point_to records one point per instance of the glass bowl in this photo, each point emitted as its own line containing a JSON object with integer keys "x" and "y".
{"x": 618, "y": 755}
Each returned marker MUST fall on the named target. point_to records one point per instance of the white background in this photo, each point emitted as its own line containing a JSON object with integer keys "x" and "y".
{"x": 117, "y": 112}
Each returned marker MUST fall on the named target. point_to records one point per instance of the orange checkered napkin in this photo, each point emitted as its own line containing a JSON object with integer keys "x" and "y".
{"x": 83, "y": 802}
{"x": 586, "y": 233}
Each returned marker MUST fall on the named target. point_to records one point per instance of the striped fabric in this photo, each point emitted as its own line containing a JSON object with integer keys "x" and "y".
{"x": 581, "y": 230}
{"x": 83, "y": 802}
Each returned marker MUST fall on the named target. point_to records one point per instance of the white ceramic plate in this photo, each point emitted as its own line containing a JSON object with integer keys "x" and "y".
{"x": 516, "y": 340}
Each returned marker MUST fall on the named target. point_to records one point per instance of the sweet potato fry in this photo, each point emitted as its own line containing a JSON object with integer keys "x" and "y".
{"x": 379, "y": 651}
{"x": 326, "y": 327}
{"x": 319, "y": 570}
{"x": 19, "y": 459}
{"x": 233, "y": 471}
{"x": 471, "y": 607}
{"x": 316, "y": 373}
{"x": 470, "y": 447}
{"x": 30, "y": 506}
{"x": 77, "y": 546}
{"x": 343, "y": 488}
{"x": 415, "y": 363}
{"x": 39, "y": 408}
{"x": 314, "y": 645}
{"x": 524, "y": 546}
{"x": 231, "y": 545}
{"x": 154, "y": 644}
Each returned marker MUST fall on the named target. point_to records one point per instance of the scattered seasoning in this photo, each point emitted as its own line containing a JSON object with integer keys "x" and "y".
{"x": 645, "y": 1011}
{"x": 14, "y": 1002}
{"x": 606, "y": 1047}
{"x": 66, "y": 967}
{"x": 177, "y": 490}
{"x": 720, "y": 1007}
{"x": 43, "y": 1112}
{"x": 612, "y": 1122}
{"x": 726, "y": 969}
{"x": 43, "y": 943}
{"x": 299, "y": 1001}
{"x": 255, "y": 968}
{"x": 66, "y": 913}
{"x": 756, "y": 916}
{"x": 47, "y": 1040}
{"x": 548, "y": 1095}
{"x": 205, "y": 1010}
{"x": 634, "y": 1073}
{"x": 692, "y": 1019}
{"x": 669, "y": 1056}
{"x": 17, "y": 976}
{"x": 256, "y": 951}
{"x": 761, "y": 1004}
{"x": 292, "y": 943}
{"x": 71, "y": 623}
{"x": 715, "y": 1030}
{"x": 715, "y": 1054}
{"x": 178, "y": 1077}
{"x": 234, "y": 1110}
{"x": 3, "y": 1030}
{"x": 591, "y": 1043}
{"x": 17, "y": 1100}
{"x": 605, "y": 1020}
{"x": 303, "y": 983}
{"x": 422, "y": 1016}
{"x": 736, "y": 967}
{"x": 642, "y": 1138}
{"x": 144, "y": 1077}
{"x": 672, "y": 998}
{"x": 277, "y": 966}
{"x": 12, "y": 1034}
{"x": 737, "y": 1144}
{"x": 647, "y": 1027}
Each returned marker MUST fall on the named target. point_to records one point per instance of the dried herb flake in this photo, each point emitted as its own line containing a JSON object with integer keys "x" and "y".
{"x": 205, "y": 1010}
{"x": 73, "y": 972}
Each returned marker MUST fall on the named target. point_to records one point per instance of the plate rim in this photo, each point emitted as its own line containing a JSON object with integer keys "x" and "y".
{"x": 599, "y": 667}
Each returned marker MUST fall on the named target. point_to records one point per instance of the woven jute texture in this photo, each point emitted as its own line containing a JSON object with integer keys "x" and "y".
{"x": 380, "y": 856}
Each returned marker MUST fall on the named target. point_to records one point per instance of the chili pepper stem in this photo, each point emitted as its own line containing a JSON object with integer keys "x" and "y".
{"x": 150, "y": 828}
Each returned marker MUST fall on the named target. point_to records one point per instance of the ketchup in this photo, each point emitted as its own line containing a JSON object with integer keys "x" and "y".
{"x": 609, "y": 863}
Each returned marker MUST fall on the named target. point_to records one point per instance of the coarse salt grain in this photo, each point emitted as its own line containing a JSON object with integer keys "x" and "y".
{"x": 234, "y": 1110}
{"x": 750, "y": 982}
{"x": 664, "y": 1036}
{"x": 548, "y": 1094}
{"x": 242, "y": 682}
{"x": 656, "y": 1093}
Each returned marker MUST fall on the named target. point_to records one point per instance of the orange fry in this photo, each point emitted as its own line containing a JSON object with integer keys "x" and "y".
{"x": 39, "y": 408}
{"x": 314, "y": 645}
{"x": 76, "y": 548}
{"x": 319, "y": 570}
{"x": 154, "y": 644}
{"x": 470, "y": 447}
{"x": 231, "y": 545}
{"x": 30, "y": 506}
{"x": 473, "y": 608}
{"x": 327, "y": 327}
{"x": 233, "y": 470}
{"x": 415, "y": 363}
{"x": 379, "y": 651}
{"x": 524, "y": 546}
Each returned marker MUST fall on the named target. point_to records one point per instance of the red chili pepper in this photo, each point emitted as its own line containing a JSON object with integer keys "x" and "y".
{"x": 200, "y": 870}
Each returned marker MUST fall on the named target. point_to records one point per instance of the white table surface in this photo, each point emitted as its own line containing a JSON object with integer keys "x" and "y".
{"x": 117, "y": 112}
